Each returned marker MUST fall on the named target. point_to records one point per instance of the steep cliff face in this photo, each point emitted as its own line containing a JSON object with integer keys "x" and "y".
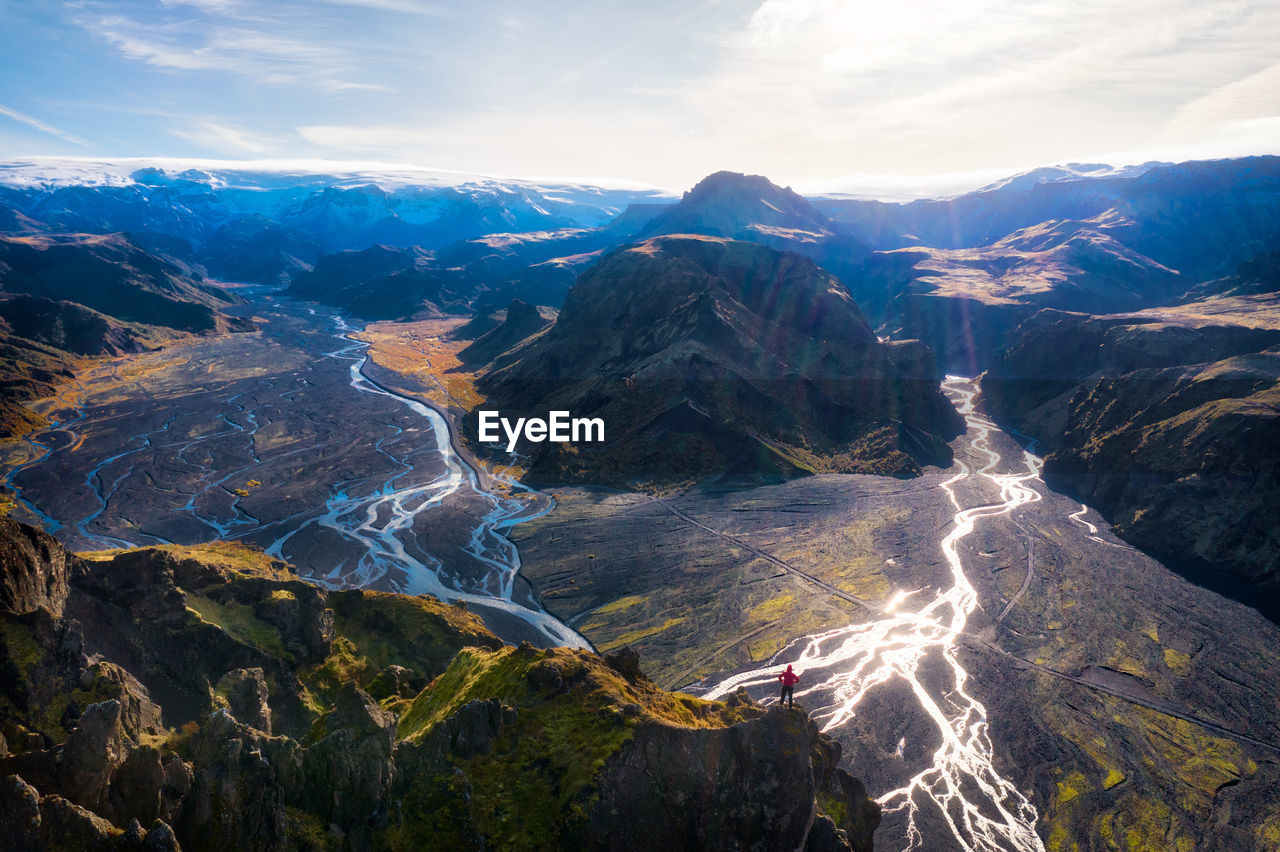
{"x": 1167, "y": 421}
{"x": 585, "y": 753}
{"x": 753, "y": 779}
{"x": 204, "y": 698}
{"x": 35, "y": 570}
{"x": 710, "y": 357}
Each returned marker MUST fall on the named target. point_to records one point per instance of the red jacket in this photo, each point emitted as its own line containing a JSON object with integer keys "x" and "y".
{"x": 789, "y": 678}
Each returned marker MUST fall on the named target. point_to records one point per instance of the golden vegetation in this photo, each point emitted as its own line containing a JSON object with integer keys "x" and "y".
{"x": 425, "y": 351}
{"x": 239, "y": 557}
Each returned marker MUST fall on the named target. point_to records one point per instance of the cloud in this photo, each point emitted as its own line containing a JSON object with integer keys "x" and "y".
{"x": 794, "y": 89}
{"x": 953, "y": 85}
{"x": 408, "y": 7}
{"x": 41, "y": 126}
{"x": 1252, "y": 99}
{"x": 237, "y": 50}
{"x": 213, "y": 136}
{"x": 230, "y": 7}
{"x": 239, "y": 39}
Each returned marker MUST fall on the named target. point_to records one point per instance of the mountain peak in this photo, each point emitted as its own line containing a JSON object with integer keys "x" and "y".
{"x": 725, "y": 179}
{"x": 729, "y": 204}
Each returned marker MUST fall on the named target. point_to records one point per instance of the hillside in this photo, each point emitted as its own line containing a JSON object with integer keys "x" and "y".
{"x": 520, "y": 321}
{"x": 964, "y": 302}
{"x": 67, "y": 296}
{"x": 723, "y": 358}
{"x": 112, "y": 276}
{"x": 384, "y": 282}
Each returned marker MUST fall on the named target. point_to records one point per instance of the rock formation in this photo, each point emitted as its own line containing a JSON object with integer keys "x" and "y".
{"x": 204, "y": 698}
{"x": 1166, "y": 421}
{"x": 710, "y": 357}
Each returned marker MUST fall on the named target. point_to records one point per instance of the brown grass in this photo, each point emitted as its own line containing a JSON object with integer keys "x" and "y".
{"x": 425, "y": 351}
{"x": 231, "y": 554}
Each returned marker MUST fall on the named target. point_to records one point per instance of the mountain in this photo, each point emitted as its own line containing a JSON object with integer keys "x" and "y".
{"x": 729, "y": 204}
{"x": 205, "y": 698}
{"x": 979, "y": 265}
{"x": 73, "y": 328}
{"x": 520, "y": 322}
{"x": 980, "y": 217}
{"x": 385, "y": 282}
{"x": 481, "y": 273}
{"x": 70, "y": 295}
{"x": 338, "y": 210}
{"x": 1166, "y": 421}
{"x": 964, "y": 302}
{"x": 977, "y": 218}
{"x": 255, "y": 248}
{"x": 753, "y": 209}
{"x": 1204, "y": 218}
{"x": 712, "y": 357}
{"x": 31, "y": 370}
{"x": 1258, "y": 274}
{"x": 112, "y": 276}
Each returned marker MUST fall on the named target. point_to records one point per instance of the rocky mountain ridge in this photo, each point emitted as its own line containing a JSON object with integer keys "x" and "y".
{"x": 205, "y": 698}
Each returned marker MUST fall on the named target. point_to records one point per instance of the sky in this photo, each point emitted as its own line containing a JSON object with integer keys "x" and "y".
{"x": 912, "y": 92}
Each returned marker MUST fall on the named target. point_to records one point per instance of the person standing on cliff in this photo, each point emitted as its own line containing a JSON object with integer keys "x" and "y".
{"x": 788, "y": 679}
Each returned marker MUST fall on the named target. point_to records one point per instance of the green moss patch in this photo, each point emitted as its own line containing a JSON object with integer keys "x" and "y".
{"x": 239, "y": 621}
{"x": 536, "y": 783}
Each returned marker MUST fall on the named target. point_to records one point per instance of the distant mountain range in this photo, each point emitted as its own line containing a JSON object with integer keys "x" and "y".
{"x": 1046, "y": 237}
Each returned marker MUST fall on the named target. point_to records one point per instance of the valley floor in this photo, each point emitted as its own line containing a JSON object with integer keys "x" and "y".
{"x": 1131, "y": 708}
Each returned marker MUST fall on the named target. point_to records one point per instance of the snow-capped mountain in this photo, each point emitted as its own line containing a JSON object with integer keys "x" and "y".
{"x": 339, "y": 205}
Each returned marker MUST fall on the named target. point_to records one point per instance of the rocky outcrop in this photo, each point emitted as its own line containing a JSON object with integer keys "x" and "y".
{"x": 646, "y": 769}
{"x": 252, "y": 723}
{"x": 708, "y": 357}
{"x": 758, "y": 779}
{"x": 30, "y": 822}
{"x": 244, "y": 693}
{"x": 35, "y": 570}
{"x": 1166, "y": 422}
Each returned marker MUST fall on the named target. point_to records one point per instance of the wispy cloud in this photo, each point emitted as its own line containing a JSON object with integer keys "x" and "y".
{"x": 795, "y": 89}
{"x": 213, "y": 136}
{"x": 1254, "y": 98}
{"x": 234, "y": 38}
{"x": 227, "y": 7}
{"x": 961, "y": 84}
{"x": 43, "y": 127}
{"x": 408, "y": 7}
